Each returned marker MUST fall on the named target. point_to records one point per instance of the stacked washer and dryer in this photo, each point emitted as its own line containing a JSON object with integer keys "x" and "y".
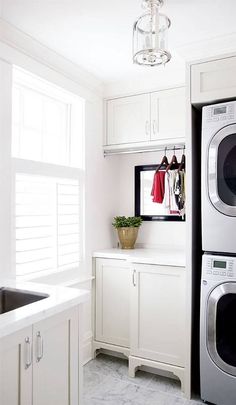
{"x": 218, "y": 281}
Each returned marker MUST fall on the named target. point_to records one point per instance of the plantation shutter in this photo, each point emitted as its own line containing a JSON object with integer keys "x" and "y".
{"x": 46, "y": 223}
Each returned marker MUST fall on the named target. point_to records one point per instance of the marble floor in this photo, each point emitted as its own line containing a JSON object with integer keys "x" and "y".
{"x": 106, "y": 382}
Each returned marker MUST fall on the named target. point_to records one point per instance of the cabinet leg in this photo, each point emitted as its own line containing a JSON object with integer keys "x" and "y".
{"x": 133, "y": 367}
{"x": 132, "y": 372}
{"x": 94, "y": 353}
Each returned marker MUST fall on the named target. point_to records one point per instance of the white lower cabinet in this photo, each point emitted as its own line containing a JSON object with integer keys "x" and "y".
{"x": 39, "y": 365}
{"x": 16, "y": 369}
{"x": 112, "y": 302}
{"x": 158, "y": 313}
{"x": 140, "y": 310}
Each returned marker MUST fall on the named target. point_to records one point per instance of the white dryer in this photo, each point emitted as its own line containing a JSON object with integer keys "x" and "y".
{"x": 218, "y": 330}
{"x": 219, "y": 178}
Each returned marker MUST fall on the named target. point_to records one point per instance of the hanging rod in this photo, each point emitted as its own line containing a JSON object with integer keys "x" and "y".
{"x": 129, "y": 151}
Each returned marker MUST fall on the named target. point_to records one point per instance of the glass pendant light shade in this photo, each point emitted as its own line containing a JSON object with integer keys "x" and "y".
{"x": 150, "y": 36}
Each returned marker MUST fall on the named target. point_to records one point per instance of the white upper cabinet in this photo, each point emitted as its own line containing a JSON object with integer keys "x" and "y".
{"x": 145, "y": 119}
{"x": 128, "y": 119}
{"x": 168, "y": 114}
{"x": 214, "y": 80}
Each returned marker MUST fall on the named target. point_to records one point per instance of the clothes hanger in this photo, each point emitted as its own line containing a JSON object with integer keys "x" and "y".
{"x": 173, "y": 163}
{"x": 164, "y": 162}
{"x": 182, "y": 163}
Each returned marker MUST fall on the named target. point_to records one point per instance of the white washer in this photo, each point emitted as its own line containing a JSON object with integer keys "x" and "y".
{"x": 219, "y": 178}
{"x": 218, "y": 330}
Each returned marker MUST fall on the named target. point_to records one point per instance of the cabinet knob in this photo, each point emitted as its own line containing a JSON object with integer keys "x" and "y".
{"x": 39, "y": 347}
{"x": 28, "y": 353}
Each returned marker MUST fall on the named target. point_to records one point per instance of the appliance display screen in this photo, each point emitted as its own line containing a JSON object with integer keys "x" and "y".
{"x": 219, "y": 264}
{"x": 220, "y": 110}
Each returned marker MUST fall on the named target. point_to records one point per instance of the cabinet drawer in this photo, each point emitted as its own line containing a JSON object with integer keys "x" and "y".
{"x": 213, "y": 80}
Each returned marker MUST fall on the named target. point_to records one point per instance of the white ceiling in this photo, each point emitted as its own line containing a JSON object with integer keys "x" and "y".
{"x": 97, "y": 34}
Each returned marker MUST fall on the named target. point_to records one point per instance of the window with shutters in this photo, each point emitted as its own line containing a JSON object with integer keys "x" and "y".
{"x": 47, "y": 155}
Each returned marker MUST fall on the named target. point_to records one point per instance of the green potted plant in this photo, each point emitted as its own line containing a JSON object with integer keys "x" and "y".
{"x": 127, "y": 229}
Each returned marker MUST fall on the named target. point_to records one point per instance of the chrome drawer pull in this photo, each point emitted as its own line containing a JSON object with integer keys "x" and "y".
{"x": 134, "y": 278}
{"x": 147, "y": 127}
{"x": 39, "y": 347}
{"x": 28, "y": 353}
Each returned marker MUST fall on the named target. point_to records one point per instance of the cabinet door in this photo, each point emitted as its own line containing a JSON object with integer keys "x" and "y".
{"x": 112, "y": 301}
{"x": 128, "y": 120}
{"x": 215, "y": 80}
{"x": 56, "y": 376}
{"x": 16, "y": 368}
{"x": 158, "y": 313}
{"x": 168, "y": 114}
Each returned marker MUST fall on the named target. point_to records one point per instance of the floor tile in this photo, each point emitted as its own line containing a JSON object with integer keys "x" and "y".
{"x": 106, "y": 382}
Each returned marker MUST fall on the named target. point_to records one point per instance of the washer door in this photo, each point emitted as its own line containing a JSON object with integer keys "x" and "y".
{"x": 222, "y": 170}
{"x": 221, "y": 327}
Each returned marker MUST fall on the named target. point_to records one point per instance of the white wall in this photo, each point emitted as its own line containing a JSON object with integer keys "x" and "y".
{"x": 151, "y": 234}
{"x": 5, "y": 169}
{"x": 150, "y": 79}
{"x": 109, "y": 189}
{"x": 97, "y": 209}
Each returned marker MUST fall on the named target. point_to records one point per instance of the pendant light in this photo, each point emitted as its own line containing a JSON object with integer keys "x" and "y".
{"x": 150, "y": 36}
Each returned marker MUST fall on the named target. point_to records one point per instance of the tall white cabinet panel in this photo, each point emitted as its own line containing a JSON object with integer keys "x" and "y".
{"x": 158, "y": 313}
{"x": 128, "y": 120}
{"x": 214, "y": 80}
{"x": 56, "y": 366}
{"x": 112, "y": 301}
{"x": 168, "y": 114}
{"x": 16, "y": 368}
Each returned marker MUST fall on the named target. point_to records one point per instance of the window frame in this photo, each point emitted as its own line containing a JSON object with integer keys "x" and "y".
{"x": 54, "y": 170}
{"x": 22, "y": 79}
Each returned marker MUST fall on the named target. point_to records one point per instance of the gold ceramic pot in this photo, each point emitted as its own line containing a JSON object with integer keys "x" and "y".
{"x": 127, "y": 237}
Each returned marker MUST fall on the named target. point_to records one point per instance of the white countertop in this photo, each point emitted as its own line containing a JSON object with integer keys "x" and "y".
{"x": 164, "y": 256}
{"x": 60, "y": 299}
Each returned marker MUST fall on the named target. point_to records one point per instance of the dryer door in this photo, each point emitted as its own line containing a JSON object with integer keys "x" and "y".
{"x": 221, "y": 327}
{"x": 222, "y": 170}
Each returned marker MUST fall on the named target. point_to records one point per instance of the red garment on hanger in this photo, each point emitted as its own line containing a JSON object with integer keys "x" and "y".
{"x": 158, "y": 187}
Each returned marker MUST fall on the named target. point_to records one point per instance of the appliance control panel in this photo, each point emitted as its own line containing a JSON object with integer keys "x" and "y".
{"x": 224, "y": 112}
{"x": 219, "y": 266}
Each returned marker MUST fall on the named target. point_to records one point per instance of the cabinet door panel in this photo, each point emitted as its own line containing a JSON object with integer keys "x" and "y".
{"x": 158, "y": 314}
{"x": 168, "y": 114}
{"x": 112, "y": 301}
{"x": 15, "y": 378}
{"x": 57, "y": 369}
{"x": 214, "y": 80}
{"x": 128, "y": 120}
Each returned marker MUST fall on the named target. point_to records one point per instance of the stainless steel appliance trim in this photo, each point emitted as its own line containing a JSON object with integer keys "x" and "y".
{"x": 214, "y": 297}
{"x": 212, "y": 170}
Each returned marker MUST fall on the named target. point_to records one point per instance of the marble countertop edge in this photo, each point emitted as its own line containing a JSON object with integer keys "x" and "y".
{"x": 164, "y": 256}
{"x": 60, "y": 299}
